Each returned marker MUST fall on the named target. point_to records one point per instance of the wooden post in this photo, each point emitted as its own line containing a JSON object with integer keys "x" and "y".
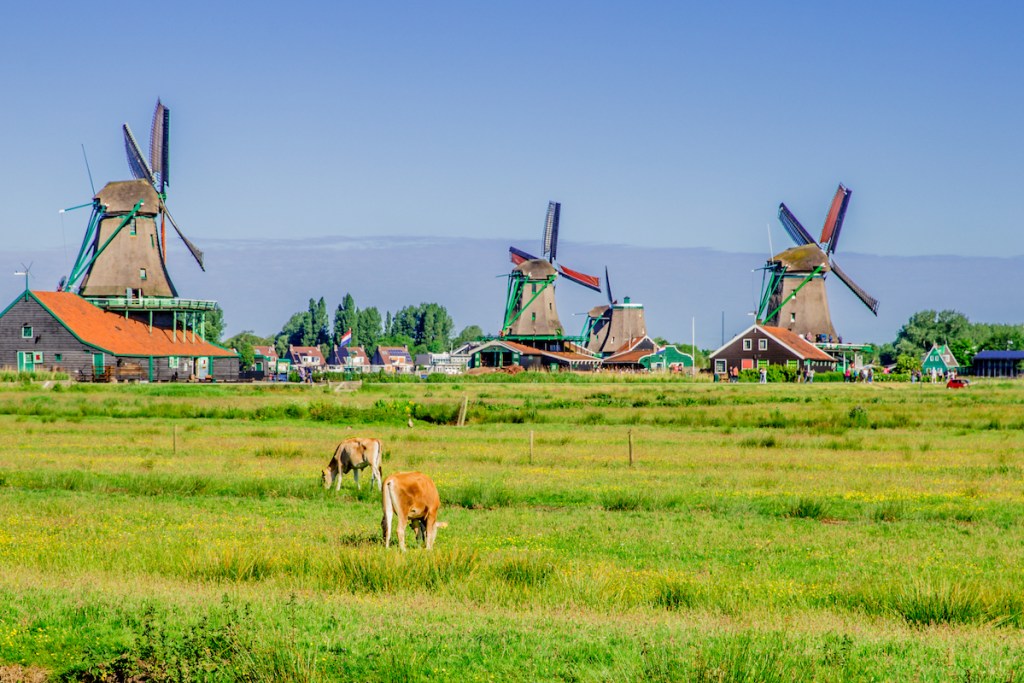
{"x": 463, "y": 409}
{"x": 531, "y": 446}
{"x": 630, "y": 447}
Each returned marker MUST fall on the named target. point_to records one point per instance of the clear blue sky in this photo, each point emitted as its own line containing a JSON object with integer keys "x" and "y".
{"x": 680, "y": 124}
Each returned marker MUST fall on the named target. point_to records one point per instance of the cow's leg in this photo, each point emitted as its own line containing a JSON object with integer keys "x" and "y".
{"x": 431, "y": 528}
{"x": 337, "y": 479}
{"x": 403, "y": 522}
{"x": 355, "y": 473}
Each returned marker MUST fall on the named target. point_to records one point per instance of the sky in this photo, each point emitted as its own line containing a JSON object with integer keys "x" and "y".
{"x": 656, "y": 124}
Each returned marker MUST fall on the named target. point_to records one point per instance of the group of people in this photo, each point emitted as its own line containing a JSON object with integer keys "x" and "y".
{"x": 863, "y": 375}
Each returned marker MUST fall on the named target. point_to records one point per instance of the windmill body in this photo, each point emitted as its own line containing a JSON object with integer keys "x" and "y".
{"x": 794, "y": 295}
{"x": 610, "y": 327}
{"x": 130, "y": 265}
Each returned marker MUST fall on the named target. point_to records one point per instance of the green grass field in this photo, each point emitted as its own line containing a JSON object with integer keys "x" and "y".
{"x": 791, "y": 532}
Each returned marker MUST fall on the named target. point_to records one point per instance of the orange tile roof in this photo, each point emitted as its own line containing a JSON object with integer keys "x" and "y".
{"x": 119, "y": 335}
{"x": 797, "y": 343}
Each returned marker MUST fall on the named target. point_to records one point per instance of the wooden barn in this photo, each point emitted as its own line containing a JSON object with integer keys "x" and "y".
{"x": 502, "y": 353}
{"x": 63, "y": 331}
{"x": 759, "y": 346}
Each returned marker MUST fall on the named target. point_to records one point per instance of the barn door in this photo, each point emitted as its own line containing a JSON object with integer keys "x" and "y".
{"x": 25, "y": 362}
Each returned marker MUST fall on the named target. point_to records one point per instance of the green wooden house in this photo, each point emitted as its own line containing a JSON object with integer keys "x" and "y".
{"x": 940, "y": 359}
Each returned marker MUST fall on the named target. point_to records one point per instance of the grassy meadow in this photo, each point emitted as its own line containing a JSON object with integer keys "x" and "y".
{"x": 792, "y": 532}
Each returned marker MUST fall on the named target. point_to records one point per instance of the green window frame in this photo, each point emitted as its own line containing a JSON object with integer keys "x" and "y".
{"x": 58, "y": 357}
{"x": 172, "y": 362}
{"x": 792, "y": 363}
{"x": 132, "y": 229}
{"x": 26, "y": 331}
{"x": 762, "y": 364}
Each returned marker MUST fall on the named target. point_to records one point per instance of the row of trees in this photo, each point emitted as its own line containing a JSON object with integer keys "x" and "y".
{"x": 424, "y": 328}
{"x": 964, "y": 338}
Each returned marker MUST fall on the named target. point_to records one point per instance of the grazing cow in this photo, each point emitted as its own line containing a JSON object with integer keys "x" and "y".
{"x": 352, "y": 455}
{"x": 412, "y": 497}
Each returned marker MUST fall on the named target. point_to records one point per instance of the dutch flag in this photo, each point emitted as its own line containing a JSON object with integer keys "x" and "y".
{"x": 345, "y": 340}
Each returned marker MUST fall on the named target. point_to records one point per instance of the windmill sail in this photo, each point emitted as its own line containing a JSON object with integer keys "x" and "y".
{"x": 608, "y": 285}
{"x": 158, "y": 145}
{"x": 197, "y": 254}
{"x": 136, "y": 161}
{"x": 834, "y": 220}
{"x": 589, "y": 281}
{"x": 792, "y": 225}
{"x": 551, "y": 230}
{"x": 869, "y": 301}
{"x": 519, "y": 256}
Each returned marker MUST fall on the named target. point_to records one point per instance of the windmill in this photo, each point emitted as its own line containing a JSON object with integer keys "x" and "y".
{"x": 610, "y": 326}
{"x": 794, "y": 294}
{"x": 122, "y": 254}
{"x": 530, "y": 302}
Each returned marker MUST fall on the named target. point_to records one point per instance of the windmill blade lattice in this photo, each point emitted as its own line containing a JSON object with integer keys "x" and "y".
{"x": 550, "y": 241}
{"x": 158, "y": 145}
{"x": 136, "y": 161}
{"x": 869, "y": 301}
{"x": 792, "y": 225}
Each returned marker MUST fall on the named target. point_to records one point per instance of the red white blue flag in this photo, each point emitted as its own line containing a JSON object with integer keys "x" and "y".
{"x": 345, "y": 340}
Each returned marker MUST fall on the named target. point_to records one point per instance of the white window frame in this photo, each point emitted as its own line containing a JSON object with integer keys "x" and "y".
{"x": 748, "y": 344}
{"x": 762, "y": 344}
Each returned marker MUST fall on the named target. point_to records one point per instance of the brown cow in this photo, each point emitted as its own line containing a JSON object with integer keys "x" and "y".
{"x": 413, "y": 497}
{"x": 352, "y": 455}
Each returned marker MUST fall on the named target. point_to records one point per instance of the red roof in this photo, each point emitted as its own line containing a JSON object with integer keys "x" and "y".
{"x": 797, "y": 343}
{"x": 119, "y": 335}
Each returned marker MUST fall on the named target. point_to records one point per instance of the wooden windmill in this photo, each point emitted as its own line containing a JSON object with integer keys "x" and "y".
{"x": 124, "y": 251}
{"x": 530, "y": 310}
{"x": 609, "y": 327}
{"x": 794, "y": 295}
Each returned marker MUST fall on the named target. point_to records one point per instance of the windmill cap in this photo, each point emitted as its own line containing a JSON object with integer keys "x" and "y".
{"x": 121, "y": 196}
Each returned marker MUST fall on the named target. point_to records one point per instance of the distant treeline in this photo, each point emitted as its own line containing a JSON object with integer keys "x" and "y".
{"x": 424, "y": 328}
{"x": 952, "y": 328}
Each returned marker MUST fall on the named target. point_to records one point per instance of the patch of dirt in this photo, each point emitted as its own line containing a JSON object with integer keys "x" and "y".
{"x": 14, "y": 673}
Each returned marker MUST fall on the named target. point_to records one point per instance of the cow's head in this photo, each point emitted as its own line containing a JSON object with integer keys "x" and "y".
{"x": 325, "y": 478}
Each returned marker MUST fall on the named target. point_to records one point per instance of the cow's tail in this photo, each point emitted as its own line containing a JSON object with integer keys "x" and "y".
{"x": 389, "y": 504}
{"x": 376, "y": 460}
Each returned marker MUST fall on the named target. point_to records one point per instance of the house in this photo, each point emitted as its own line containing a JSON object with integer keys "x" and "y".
{"x": 669, "y": 358}
{"x": 939, "y": 360}
{"x": 306, "y": 357}
{"x": 348, "y": 358}
{"x": 63, "y": 331}
{"x": 629, "y": 355}
{"x": 502, "y": 353}
{"x": 445, "y": 363}
{"x": 265, "y": 361}
{"x": 759, "y": 346}
{"x": 998, "y": 364}
{"x": 393, "y": 359}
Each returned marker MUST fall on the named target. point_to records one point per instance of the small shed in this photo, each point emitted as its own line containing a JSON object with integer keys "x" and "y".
{"x": 940, "y": 359}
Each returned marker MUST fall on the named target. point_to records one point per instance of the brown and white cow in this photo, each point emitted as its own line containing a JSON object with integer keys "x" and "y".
{"x": 352, "y": 455}
{"x": 412, "y": 497}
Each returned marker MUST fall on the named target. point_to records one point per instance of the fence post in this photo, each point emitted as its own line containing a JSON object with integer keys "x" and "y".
{"x": 630, "y": 447}
{"x": 531, "y": 446}
{"x": 175, "y": 428}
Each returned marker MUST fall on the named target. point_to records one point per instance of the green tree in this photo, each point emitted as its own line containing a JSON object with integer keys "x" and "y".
{"x": 907, "y": 363}
{"x": 368, "y": 329}
{"x": 318, "y": 330}
{"x": 468, "y": 334}
{"x": 213, "y": 325}
{"x": 292, "y": 333}
{"x": 243, "y": 343}
{"x": 346, "y": 318}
